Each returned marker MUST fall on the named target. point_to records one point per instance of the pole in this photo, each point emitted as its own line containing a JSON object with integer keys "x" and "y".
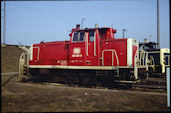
{"x": 158, "y": 26}
{"x": 4, "y": 25}
{"x": 168, "y": 86}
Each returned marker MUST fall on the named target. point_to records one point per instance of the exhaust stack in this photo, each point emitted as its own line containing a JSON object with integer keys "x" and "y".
{"x": 78, "y": 26}
{"x": 158, "y": 26}
{"x": 96, "y": 26}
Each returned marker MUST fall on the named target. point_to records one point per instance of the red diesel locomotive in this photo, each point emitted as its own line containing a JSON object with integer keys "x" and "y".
{"x": 91, "y": 51}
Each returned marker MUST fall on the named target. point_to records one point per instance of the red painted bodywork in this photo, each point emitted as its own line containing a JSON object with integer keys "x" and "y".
{"x": 84, "y": 53}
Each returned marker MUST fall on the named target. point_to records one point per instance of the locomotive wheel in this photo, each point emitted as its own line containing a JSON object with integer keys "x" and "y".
{"x": 63, "y": 79}
{"x": 85, "y": 80}
{"x": 72, "y": 80}
{"x": 54, "y": 78}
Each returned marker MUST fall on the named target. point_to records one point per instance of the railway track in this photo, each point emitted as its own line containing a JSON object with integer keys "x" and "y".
{"x": 150, "y": 86}
{"x": 135, "y": 88}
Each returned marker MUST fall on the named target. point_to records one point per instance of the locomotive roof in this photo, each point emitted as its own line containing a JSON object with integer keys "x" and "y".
{"x": 88, "y": 29}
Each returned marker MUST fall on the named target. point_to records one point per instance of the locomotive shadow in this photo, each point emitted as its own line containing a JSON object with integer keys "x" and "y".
{"x": 49, "y": 79}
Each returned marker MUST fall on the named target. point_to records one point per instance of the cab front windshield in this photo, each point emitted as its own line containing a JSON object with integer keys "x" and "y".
{"x": 78, "y": 36}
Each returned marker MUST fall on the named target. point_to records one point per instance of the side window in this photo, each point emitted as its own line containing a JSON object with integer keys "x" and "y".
{"x": 91, "y": 36}
{"x": 82, "y": 36}
{"x": 102, "y": 33}
{"x": 75, "y": 37}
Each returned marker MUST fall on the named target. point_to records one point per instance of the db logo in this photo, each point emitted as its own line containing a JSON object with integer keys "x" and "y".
{"x": 76, "y": 50}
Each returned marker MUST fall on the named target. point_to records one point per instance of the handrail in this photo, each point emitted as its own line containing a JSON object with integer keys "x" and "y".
{"x": 135, "y": 57}
{"x": 113, "y": 50}
{"x": 153, "y": 63}
{"x": 27, "y": 62}
{"x": 95, "y": 44}
{"x": 38, "y": 52}
{"x": 168, "y": 59}
{"x": 86, "y": 41}
{"x": 135, "y": 64}
{"x": 24, "y": 48}
{"x": 116, "y": 57}
{"x": 143, "y": 56}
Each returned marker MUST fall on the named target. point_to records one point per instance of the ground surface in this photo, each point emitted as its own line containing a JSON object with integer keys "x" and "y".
{"x": 30, "y": 97}
{"x": 20, "y": 96}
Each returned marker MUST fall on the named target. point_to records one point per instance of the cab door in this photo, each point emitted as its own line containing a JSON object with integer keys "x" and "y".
{"x": 91, "y": 48}
{"x": 77, "y": 49}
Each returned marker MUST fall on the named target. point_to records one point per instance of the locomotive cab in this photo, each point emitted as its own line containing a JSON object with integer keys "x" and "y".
{"x": 77, "y": 35}
{"x": 86, "y": 45}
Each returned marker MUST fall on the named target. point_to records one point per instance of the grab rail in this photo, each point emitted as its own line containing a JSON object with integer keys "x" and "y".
{"x": 38, "y": 52}
{"x": 113, "y": 51}
{"x": 22, "y": 61}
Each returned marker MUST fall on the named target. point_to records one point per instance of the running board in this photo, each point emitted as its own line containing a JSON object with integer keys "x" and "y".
{"x": 125, "y": 81}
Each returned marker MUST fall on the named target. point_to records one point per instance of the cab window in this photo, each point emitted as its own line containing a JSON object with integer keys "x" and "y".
{"x": 102, "y": 33}
{"x": 91, "y": 36}
{"x": 78, "y": 37}
{"x": 82, "y": 36}
{"x": 75, "y": 37}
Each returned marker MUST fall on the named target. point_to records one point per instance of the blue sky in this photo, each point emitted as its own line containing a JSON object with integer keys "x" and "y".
{"x": 30, "y": 22}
